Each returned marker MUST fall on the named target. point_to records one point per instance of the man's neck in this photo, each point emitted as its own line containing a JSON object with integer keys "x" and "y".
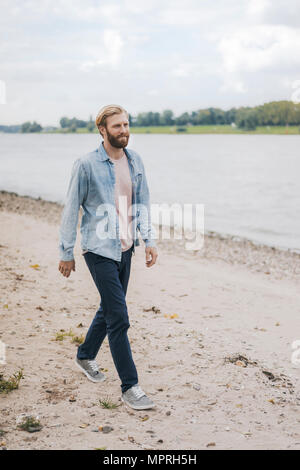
{"x": 113, "y": 152}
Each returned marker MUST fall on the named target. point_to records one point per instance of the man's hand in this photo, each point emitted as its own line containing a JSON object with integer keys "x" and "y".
{"x": 151, "y": 255}
{"x": 65, "y": 267}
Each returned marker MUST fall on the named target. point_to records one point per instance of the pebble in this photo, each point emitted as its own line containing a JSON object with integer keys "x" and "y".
{"x": 107, "y": 429}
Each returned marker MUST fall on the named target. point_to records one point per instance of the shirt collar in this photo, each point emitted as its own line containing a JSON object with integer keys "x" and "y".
{"x": 104, "y": 156}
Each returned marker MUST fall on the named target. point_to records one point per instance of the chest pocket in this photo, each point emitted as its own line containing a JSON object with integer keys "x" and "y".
{"x": 137, "y": 180}
{"x": 137, "y": 177}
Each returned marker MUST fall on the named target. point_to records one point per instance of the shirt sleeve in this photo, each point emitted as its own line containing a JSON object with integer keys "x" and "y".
{"x": 76, "y": 194}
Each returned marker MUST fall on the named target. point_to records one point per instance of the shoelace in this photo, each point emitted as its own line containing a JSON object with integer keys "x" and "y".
{"x": 93, "y": 365}
{"x": 137, "y": 391}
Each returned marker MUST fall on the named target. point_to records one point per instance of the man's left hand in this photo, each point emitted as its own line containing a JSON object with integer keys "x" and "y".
{"x": 151, "y": 255}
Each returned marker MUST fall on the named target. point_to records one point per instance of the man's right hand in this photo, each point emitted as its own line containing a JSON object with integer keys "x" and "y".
{"x": 65, "y": 267}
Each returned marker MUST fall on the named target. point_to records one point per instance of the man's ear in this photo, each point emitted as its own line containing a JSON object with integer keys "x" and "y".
{"x": 102, "y": 130}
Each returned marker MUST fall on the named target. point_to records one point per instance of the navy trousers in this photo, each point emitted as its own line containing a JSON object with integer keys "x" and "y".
{"x": 111, "y": 278}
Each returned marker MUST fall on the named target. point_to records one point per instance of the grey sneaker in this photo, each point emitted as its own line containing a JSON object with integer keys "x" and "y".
{"x": 137, "y": 399}
{"x": 90, "y": 368}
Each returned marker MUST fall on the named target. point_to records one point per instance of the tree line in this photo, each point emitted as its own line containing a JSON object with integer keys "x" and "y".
{"x": 275, "y": 113}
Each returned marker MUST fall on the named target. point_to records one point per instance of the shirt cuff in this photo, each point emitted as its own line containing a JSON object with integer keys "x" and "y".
{"x": 149, "y": 242}
{"x": 66, "y": 255}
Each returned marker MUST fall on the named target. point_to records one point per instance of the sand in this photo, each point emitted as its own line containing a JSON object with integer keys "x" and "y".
{"x": 211, "y": 334}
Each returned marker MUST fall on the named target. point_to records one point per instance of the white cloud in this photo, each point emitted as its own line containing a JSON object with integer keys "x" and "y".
{"x": 186, "y": 69}
{"x": 165, "y": 53}
{"x": 140, "y": 7}
{"x": 257, "y": 7}
{"x": 257, "y": 48}
{"x": 281, "y": 12}
{"x": 109, "y": 51}
{"x": 233, "y": 84}
{"x": 113, "y": 43}
{"x": 153, "y": 92}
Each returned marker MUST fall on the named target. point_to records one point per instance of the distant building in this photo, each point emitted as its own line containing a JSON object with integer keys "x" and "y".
{"x": 49, "y": 128}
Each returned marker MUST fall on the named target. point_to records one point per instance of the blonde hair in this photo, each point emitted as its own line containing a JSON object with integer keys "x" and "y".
{"x": 107, "y": 111}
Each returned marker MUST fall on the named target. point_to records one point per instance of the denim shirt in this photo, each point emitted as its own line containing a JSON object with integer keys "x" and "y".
{"x": 92, "y": 186}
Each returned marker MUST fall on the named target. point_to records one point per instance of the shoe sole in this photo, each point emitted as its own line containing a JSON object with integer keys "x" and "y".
{"x": 142, "y": 407}
{"x": 88, "y": 376}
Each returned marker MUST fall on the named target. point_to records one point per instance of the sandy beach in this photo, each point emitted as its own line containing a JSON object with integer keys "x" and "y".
{"x": 211, "y": 334}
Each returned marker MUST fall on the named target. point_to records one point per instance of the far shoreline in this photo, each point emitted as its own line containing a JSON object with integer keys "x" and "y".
{"x": 182, "y": 130}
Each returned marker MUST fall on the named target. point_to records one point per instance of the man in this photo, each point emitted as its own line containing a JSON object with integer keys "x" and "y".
{"x": 111, "y": 186}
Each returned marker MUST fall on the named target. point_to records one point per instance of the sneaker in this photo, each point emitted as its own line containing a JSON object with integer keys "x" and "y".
{"x": 90, "y": 368}
{"x": 137, "y": 399}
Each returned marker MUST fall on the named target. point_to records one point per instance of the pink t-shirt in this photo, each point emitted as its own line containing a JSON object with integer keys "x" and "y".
{"x": 123, "y": 200}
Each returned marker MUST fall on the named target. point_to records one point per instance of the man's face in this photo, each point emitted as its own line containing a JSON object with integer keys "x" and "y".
{"x": 117, "y": 130}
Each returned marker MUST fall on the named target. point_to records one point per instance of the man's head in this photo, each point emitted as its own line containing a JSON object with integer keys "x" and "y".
{"x": 113, "y": 124}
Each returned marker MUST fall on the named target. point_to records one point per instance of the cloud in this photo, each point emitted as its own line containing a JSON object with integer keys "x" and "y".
{"x": 184, "y": 69}
{"x": 153, "y": 92}
{"x": 257, "y": 8}
{"x": 109, "y": 51}
{"x": 278, "y": 12}
{"x": 256, "y": 49}
{"x": 170, "y": 54}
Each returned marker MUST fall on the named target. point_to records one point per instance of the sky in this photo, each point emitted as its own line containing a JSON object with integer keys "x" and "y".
{"x": 71, "y": 57}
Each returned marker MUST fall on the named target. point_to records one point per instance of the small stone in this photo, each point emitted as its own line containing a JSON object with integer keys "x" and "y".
{"x": 107, "y": 429}
{"x": 34, "y": 428}
{"x": 211, "y": 444}
{"x": 240, "y": 364}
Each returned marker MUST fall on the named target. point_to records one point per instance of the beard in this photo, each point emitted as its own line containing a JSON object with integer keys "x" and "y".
{"x": 118, "y": 142}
